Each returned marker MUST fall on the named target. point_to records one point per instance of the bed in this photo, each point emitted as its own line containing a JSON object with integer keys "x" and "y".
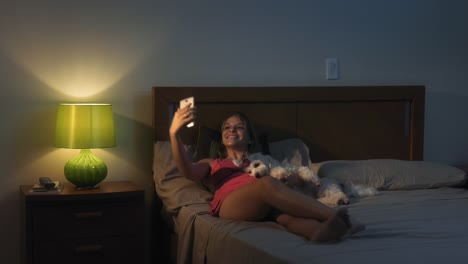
{"x": 371, "y": 135}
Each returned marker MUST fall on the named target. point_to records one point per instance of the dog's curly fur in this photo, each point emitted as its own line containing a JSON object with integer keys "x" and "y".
{"x": 302, "y": 178}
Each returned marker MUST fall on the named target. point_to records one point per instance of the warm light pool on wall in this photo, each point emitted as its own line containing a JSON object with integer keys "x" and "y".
{"x": 85, "y": 126}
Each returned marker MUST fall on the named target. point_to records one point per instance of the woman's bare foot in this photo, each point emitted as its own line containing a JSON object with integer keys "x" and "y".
{"x": 353, "y": 224}
{"x": 334, "y": 228}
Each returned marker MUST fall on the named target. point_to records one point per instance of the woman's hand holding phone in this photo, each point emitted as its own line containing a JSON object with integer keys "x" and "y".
{"x": 190, "y": 101}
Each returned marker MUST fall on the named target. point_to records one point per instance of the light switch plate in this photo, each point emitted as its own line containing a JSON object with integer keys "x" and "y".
{"x": 332, "y": 68}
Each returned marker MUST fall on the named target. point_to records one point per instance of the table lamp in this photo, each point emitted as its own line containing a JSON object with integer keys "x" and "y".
{"x": 85, "y": 126}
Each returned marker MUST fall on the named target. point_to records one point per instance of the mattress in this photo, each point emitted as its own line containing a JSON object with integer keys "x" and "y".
{"x": 414, "y": 226}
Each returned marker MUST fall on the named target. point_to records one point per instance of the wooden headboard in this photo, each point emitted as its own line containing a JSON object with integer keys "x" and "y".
{"x": 351, "y": 123}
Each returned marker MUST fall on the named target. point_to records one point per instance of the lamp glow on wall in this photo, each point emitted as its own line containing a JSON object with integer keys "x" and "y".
{"x": 85, "y": 126}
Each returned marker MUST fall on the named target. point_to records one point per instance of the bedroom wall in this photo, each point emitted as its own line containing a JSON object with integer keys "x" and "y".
{"x": 115, "y": 51}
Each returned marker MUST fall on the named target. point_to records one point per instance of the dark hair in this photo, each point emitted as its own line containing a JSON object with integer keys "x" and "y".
{"x": 250, "y": 132}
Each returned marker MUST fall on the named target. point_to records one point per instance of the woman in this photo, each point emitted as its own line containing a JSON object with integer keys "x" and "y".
{"x": 239, "y": 196}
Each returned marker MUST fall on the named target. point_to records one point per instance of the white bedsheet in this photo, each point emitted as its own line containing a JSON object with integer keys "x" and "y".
{"x": 418, "y": 226}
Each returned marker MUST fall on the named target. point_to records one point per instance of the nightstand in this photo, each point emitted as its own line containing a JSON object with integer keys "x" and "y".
{"x": 104, "y": 225}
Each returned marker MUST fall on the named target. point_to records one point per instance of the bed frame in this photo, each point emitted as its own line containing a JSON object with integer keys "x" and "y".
{"x": 350, "y": 123}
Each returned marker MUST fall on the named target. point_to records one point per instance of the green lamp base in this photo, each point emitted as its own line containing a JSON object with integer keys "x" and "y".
{"x": 85, "y": 171}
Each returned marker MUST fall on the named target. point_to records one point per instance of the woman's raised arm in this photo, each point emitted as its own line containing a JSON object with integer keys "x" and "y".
{"x": 194, "y": 171}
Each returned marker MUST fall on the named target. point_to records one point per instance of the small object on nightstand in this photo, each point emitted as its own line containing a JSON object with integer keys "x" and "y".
{"x": 47, "y": 185}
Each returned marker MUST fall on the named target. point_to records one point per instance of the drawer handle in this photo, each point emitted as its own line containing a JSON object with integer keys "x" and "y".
{"x": 88, "y": 215}
{"x": 88, "y": 249}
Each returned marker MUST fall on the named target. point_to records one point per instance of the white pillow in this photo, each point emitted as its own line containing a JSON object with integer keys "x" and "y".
{"x": 292, "y": 150}
{"x": 391, "y": 174}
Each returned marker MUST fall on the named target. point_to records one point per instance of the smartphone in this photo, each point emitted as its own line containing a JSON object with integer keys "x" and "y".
{"x": 185, "y": 102}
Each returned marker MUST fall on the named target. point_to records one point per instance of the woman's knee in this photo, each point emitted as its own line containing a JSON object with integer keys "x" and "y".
{"x": 284, "y": 219}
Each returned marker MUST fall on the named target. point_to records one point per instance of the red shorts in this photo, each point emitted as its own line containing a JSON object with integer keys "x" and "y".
{"x": 226, "y": 189}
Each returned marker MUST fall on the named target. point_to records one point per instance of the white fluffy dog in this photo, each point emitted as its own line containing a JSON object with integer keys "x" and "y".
{"x": 301, "y": 178}
{"x": 327, "y": 191}
{"x": 332, "y": 192}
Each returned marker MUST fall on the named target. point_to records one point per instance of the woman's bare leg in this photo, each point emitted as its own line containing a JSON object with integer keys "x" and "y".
{"x": 254, "y": 201}
{"x": 332, "y": 229}
{"x": 302, "y": 215}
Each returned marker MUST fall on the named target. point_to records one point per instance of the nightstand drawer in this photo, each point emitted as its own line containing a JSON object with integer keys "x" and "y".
{"x": 90, "y": 251}
{"x": 50, "y": 223}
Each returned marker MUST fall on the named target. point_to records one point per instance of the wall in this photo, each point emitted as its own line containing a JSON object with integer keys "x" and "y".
{"x": 115, "y": 51}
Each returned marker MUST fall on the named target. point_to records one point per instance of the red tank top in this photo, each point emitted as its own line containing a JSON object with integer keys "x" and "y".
{"x": 226, "y": 177}
{"x": 222, "y": 170}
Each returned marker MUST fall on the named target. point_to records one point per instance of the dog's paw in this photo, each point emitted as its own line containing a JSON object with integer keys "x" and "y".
{"x": 334, "y": 199}
{"x": 279, "y": 173}
{"x": 307, "y": 175}
{"x": 360, "y": 191}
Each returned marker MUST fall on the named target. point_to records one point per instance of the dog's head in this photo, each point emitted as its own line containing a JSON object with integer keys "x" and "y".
{"x": 257, "y": 169}
{"x": 331, "y": 193}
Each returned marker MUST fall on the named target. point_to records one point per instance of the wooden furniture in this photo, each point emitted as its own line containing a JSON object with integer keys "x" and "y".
{"x": 104, "y": 225}
{"x": 356, "y": 122}
{"x": 336, "y": 123}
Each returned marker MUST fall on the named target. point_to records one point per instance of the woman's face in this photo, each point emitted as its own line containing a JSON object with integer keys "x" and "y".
{"x": 235, "y": 133}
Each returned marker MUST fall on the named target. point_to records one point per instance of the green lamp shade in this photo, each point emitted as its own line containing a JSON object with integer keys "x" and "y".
{"x": 85, "y": 126}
